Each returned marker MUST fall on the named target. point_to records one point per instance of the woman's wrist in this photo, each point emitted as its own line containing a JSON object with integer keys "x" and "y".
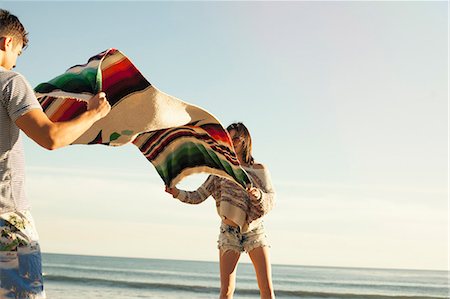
{"x": 260, "y": 193}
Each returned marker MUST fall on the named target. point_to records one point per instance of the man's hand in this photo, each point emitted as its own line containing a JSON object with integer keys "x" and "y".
{"x": 99, "y": 104}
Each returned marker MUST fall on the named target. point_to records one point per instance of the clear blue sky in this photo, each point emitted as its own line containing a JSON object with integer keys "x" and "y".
{"x": 347, "y": 103}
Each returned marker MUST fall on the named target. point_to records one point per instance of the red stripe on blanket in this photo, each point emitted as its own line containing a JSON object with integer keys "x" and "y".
{"x": 74, "y": 110}
{"x": 217, "y": 133}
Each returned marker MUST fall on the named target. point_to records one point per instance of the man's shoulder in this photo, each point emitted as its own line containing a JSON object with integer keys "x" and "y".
{"x": 7, "y": 76}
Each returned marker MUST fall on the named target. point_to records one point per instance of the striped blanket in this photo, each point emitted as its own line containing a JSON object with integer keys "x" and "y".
{"x": 178, "y": 138}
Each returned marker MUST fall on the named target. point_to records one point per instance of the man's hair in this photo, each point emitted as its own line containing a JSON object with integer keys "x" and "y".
{"x": 11, "y": 26}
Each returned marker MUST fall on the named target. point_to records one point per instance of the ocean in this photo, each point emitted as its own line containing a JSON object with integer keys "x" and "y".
{"x": 75, "y": 276}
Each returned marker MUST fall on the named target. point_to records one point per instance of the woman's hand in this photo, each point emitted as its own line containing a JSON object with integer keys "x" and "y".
{"x": 255, "y": 194}
{"x": 174, "y": 191}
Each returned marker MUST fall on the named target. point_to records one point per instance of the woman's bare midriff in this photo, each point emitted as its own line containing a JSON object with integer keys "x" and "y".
{"x": 229, "y": 222}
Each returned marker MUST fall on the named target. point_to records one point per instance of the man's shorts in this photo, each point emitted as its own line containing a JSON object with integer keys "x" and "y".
{"x": 231, "y": 238}
{"x": 20, "y": 257}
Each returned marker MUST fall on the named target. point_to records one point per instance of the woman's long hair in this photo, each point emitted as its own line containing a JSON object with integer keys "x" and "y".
{"x": 242, "y": 130}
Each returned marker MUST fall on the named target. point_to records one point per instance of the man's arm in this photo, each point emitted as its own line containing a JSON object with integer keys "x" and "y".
{"x": 53, "y": 135}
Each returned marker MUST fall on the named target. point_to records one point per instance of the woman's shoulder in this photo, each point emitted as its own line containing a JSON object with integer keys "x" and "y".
{"x": 260, "y": 174}
{"x": 259, "y": 166}
{"x": 259, "y": 169}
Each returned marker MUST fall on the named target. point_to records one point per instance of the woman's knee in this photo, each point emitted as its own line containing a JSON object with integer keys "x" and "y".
{"x": 267, "y": 292}
{"x": 227, "y": 285}
{"x": 226, "y": 292}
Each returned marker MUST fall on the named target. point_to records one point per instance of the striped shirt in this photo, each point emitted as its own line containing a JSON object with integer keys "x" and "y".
{"x": 16, "y": 99}
{"x": 232, "y": 201}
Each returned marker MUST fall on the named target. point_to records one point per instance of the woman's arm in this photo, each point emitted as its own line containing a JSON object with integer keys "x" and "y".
{"x": 197, "y": 196}
{"x": 262, "y": 197}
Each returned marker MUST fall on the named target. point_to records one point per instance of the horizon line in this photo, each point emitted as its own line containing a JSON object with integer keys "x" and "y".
{"x": 243, "y": 262}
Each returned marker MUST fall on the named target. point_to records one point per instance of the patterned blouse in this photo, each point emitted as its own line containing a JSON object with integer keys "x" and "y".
{"x": 232, "y": 201}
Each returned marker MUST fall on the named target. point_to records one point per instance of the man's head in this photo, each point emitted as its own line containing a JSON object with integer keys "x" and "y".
{"x": 13, "y": 38}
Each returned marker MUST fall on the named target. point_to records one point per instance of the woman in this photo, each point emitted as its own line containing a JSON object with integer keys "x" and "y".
{"x": 241, "y": 212}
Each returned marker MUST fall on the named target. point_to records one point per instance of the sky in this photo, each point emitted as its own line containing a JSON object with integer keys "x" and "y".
{"x": 347, "y": 104}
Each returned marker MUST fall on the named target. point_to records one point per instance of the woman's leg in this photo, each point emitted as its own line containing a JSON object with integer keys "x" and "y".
{"x": 261, "y": 262}
{"x": 228, "y": 262}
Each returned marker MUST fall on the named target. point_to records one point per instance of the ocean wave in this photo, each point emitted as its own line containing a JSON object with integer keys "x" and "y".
{"x": 103, "y": 270}
{"x": 431, "y": 283}
{"x": 410, "y": 287}
{"x": 208, "y": 289}
{"x": 129, "y": 284}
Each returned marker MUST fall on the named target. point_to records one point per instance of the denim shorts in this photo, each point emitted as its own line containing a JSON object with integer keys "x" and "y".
{"x": 231, "y": 238}
{"x": 20, "y": 257}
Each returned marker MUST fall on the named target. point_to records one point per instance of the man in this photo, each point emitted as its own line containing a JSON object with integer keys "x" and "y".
{"x": 20, "y": 258}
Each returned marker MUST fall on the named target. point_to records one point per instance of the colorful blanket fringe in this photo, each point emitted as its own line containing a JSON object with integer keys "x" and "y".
{"x": 179, "y": 139}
